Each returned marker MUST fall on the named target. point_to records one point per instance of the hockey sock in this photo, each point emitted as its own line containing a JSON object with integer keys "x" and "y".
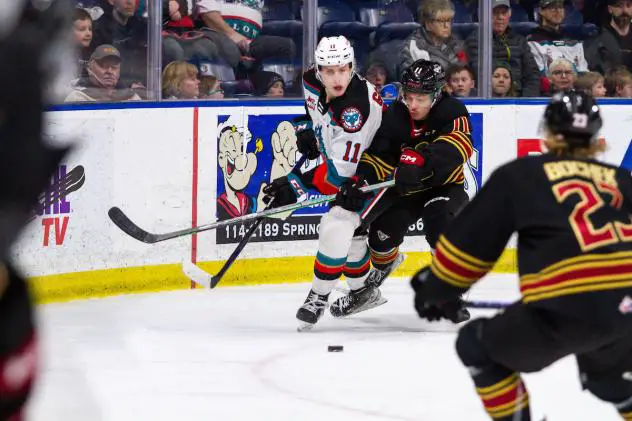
{"x": 503, "y": 394}
{"x": 356, "y": 272}
{"x": 382, "y": 259}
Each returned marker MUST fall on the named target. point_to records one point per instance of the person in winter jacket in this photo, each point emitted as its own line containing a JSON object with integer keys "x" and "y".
{"x": 434, "y": 40}
{"x": 510, "y": 47}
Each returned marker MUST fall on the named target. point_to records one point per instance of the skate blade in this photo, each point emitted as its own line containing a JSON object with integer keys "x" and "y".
{"x": 376, "y": 303}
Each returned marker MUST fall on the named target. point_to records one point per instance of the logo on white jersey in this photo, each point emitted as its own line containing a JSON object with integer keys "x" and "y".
{"x": 351, "y": 119}
{"x": 311, "y": 103}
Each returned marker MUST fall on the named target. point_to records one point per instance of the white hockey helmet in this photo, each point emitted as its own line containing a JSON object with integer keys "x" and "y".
{"x": 334, "y": 51}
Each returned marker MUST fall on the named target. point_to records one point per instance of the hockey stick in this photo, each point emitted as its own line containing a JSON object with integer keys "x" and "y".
{"x": 127, "y": 226}
{"x": 235, "y": 254}
{"x": 496, "y": 305}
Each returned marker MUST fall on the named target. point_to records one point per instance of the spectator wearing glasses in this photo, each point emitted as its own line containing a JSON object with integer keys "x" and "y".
{"x": 434, "y": 40}
{"x": 561, "y": 75}
{"x": 510, "y": 47}
{"x": 547, "y": 42}
{"x": 210, "y": 85}
{"x": 613, "y": 46}
{"x": 103, "y": 81}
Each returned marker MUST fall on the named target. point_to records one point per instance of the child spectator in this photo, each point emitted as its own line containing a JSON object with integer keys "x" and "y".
{"x": 619, "y": 83}
{"x": 269, "y": 84}
{"x": 82, "y": 28}
{"x": 210, "y": 85}
{"x": 561, "y": 75}
{"x": 502, "y": 80}
{"x": 180, "y": 81}
{"x": 461, "y": 80}
{"x": 592, "y": 83}
{"x": 377, "y": 75}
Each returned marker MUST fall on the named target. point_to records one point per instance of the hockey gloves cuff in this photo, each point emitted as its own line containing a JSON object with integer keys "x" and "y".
{"x": 453, "y": 310}
{"x": 350, "y": 197}
{"x": 279, "y": 193}
{"x": 411, "y": 172}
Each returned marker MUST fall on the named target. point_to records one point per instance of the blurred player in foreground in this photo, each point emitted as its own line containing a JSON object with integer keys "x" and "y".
{"x": 35, "y": 51}
{"x": 572, "y": 216}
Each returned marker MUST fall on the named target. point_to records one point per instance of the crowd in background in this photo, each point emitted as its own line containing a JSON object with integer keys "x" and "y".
{"x": 214, "y": 49}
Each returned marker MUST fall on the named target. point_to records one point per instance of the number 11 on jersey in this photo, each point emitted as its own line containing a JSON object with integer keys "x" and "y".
{"x": 356, "y": 152}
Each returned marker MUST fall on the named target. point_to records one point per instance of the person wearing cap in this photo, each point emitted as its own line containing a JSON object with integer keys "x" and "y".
{"x": 613, "y": 46}
{"x": 102, "y": 83}
{"x": 510, "y": 47}
{"x": 269, "y": 84}
{"x": 210, "y": 83}
{"x": 547, "y": 42}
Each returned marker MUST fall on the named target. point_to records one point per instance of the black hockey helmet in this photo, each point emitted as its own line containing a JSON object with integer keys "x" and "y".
{"x": 423, "y": 77}
{"x": 575, "y": 115}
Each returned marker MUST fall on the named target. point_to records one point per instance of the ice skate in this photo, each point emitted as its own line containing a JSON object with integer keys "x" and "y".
{"x": 311, "y": 310}
{"x": 362, "y": 299}
{"x": 378, "y": 276}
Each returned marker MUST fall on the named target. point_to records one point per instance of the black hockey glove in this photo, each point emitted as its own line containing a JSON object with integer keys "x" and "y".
{"x": 350, "y": 197}
{"x": 453, "y": 310}
{"x": 412, "y": 172}
{"x": 279, "y": 193}
{"x": 307, "y": 144}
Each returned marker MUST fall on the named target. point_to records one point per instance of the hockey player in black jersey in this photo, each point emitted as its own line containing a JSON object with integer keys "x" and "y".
{"x": 423, "y": 142}
{"x": 572, "y": 215}
{"x": 33, "y": 39}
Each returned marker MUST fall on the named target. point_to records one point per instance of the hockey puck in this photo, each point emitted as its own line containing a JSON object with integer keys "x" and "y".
{"x": 335, "y": 348}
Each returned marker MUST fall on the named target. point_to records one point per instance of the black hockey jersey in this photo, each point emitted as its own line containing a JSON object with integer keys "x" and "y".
{"x": 574, "y": 226}
{"x": 446, "y": 133}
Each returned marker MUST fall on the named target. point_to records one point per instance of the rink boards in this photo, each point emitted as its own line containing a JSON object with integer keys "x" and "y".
{"x": 176, "y": 165}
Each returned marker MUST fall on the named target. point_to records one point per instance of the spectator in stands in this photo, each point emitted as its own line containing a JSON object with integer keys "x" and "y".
{"x": 461, "y": 80}
{"x": 181, "y": 40}
{"x": 502, "y": 80}
{"x": 547, "y": 42}
{"x": 234, "y": 27}
{"x": 592, "y": 83}
{"x": 180, "y": 81}
{"x": 510, "y": 47}
{"x": 102, "y": 84}
{"x": 613, "y": 46}
{"x": 434, "y": 40}
{"x": 83, "y": 38}
{"x": 619, "y": 83}
{"x": 377, "y": 75}
{"x": 119, "y": 27}
{"x": 210, "y": 85}
{"x": 562, "y": 76}
{"x": 269, "y": 84}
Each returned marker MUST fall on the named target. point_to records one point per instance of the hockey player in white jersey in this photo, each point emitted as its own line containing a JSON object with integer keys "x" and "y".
{"x": 343, "y": 113}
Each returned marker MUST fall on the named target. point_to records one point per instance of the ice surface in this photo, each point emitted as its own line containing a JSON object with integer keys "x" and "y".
{"x": 234, "y": 354}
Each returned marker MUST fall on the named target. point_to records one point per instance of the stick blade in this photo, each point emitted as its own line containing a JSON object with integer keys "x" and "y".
{"x": 128, "y": 227}
{"x": 197, "y": 274}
